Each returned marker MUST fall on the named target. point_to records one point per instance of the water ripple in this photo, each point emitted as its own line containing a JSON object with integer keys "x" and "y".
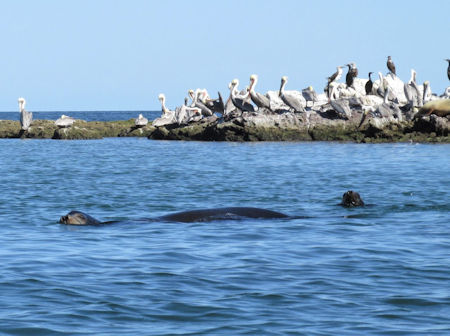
{"x": 377, "y": 270}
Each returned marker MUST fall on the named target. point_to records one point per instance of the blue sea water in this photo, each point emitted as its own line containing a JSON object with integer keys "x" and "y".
{"x": 383, "y": 269}
{"x": 85, "y": 115}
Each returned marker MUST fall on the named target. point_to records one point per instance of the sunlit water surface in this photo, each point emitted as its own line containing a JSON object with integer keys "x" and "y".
{"x": 383, "y": 269}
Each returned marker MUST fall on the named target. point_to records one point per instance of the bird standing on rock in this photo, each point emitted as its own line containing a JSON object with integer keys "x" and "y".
{"x": 296, "y": 102}
{"x": 336, "y": 76}
{"x": 369, "y": 85}
{"x": 391, "y": 66}
{"x": 351, "y": 74}
{"x": 25, "y": 116}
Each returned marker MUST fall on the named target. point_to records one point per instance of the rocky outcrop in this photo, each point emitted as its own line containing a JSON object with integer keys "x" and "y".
{"x": 324, "y": 125}
{"x": 318, "y": 124}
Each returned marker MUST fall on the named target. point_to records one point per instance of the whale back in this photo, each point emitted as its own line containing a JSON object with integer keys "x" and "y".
{"x": 207, "y": 215}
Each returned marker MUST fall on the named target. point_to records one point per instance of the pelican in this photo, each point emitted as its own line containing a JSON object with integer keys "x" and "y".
{"x": 140, "y": 121}
{"x": 386, "y": 109}
{"x": 167, "y": 116}
{"x": 426, "y": 92}
{"x": 391, "y": 66}
{"x": 199, "y": 100}
{"x": 240, "y": 100}
{"x": 216, "y": 105}
{"x": 310, "y": 95}
{"x": 351, "y": 74}
{"x": 229, "y": 106}
{"x": 25, "y": 116}
{"x": 64, "y": 121}
{"x": 184, "y": 114}
{"x": 336, "y": 76}
{"x": 296, "y": 102}
{"x": 381, "y": 91}
{"x": 369, "y": 85}
{"x": 341, "y": 106}
{"x": 448, "y": 69}
{"x": 259, "y": 99}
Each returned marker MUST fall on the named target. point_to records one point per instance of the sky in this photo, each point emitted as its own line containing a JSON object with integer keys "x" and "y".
{"x": 84, "y": 55}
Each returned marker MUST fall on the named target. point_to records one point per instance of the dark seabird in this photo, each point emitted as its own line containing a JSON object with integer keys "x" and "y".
{"x": 369, "y": 84}
{"x": 351, "y": 74}
{"x": 448, "y": 69}
{"x": 391, "y": 66}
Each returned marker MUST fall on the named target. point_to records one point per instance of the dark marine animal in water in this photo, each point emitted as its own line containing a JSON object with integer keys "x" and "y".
{"x": 351, "y": 199}
{"x": 203, "y": 215}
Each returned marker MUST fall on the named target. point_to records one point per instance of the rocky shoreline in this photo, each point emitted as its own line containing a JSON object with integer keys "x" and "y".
{"x": 263, "y": 125}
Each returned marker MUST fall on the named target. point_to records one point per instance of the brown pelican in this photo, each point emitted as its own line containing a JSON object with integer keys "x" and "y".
{"x": 199, "y": 101}
{"x": 185, "y": 114}
{"x": 229, "y": 106}
{"x": 412, "y": 91}
{"x": 351, "y": 74}
{"x": 25, "y": 116}
{"x": 341, "y": 106}
{"x": 240, "y": 100}
{"x": 296, "y": 102}
{"x": 259, "y": 99}
{"x": 167, "y": 116}
{"x": 64, "y": 121}
{"x": 387, "y": 109}
{"x": 140, "y": 121}
{"x": 381, "y": 91}
{"x": 310, "y": 95}
{"x": 448, "y": 69}
{"x": 391, "y": 66}
{"x": 369, "y": 85}
{"x": 427, "y": 95}
{"x": 216, "y": 105}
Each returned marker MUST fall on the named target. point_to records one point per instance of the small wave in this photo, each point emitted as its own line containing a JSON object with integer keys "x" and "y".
{"x": 407, "y": 301}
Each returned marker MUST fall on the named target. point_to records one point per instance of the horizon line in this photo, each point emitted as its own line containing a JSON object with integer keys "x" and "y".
{"x": 56, "y": 111}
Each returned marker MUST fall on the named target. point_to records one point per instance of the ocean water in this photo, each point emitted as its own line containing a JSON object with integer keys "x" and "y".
{"x": 85, "y": 115}
{"x": 382, "y": 269}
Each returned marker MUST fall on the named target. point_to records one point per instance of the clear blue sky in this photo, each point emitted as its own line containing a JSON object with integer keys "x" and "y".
{"x": 119, "y": 55}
